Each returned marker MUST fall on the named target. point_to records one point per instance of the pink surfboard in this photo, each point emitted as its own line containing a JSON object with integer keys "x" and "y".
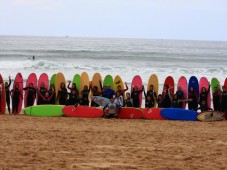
{"x": 43, "y": 78}
{"x": 153, "y": 113}
{"x": 205, "y": 83}
{"x": 130, "y": 113}
{"x": 182, "y": 82}
{"x": 170, "y": 82}
{"x": 19, "y": 80}
{"x": 137, "y": 81}
{"x": 82, "y": 111}
{"x": 225, "y": 84}
{"x": 32, "y": 78}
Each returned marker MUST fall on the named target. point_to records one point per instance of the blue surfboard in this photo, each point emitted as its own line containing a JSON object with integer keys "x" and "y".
{"x": 193, "y": 82}
{"x": 179, "y": 114}
{"x": 101, "y": 101}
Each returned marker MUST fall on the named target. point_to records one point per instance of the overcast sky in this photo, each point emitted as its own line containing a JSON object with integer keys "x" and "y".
{"x": 154, "y": 19}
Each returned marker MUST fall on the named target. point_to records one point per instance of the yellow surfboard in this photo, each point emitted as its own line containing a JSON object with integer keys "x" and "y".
{"x": 118, "y": 82}
{"x": 59, "y": 79}
{"x": 85, "y": 81}
{"x": 153, "y": 80}
{"x": 96, "y": 79}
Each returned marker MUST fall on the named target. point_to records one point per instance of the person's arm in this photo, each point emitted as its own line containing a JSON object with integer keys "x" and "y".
{"x": 106, "y": 106}
{"x": 126, "y": 88}
{"x": 154, "y": 95}
{"x": 21, "y": 94}
{"x": 100, "y": 83}
{"x": 170, "y": 96}
{"x": 208, "y": 90}
{"x": 140, "y": 91}
{"x": 119, "y": 108}
{"x": 10, "y": 81}
{"x": 69, "y": 86}
{"x": 26, "y": 88}
{"x": 145, "y": 94}
{"x": 50, "y": 97}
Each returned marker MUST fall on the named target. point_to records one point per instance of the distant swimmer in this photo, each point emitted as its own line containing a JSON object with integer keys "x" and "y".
{"x": 33, "y": 57}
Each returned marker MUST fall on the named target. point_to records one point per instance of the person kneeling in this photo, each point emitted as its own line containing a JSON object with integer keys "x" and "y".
{"x": 114, "y": 109}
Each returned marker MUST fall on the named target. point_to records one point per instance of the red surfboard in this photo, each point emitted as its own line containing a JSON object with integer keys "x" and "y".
{"x": 170, "y": 82}
{"x": 43, "y": 78}
{"x": 19, "y": 80}
{"x": 130, "y": 113}
{"x": 32, "y": 78}
{"x": 137, "y": 81}
{"x": 225, "y": 84}
{"x": 205, "y": 83}
{"x": 3, "y": 96}
{"x": 153, "y": 113}
{"x": 182, "y": 82}
{"x": 82, "y": 111}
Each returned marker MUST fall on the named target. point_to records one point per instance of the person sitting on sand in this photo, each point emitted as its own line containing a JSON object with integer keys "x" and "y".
{"x": 128, "y": 100}
{"x": 203, "y": 107}
{"x": 149, "y": 103}
{"x": 112, "y": 113}
{"x": 46, "y": 98}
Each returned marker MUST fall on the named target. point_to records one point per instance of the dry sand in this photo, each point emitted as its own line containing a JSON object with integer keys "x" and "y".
{"x": 72, "y": 143}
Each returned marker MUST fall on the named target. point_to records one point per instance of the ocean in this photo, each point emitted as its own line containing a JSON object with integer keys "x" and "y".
{"x": 124, "y": 57}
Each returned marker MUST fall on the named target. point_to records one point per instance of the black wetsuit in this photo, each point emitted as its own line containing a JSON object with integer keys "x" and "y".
{"x": 42, "y": 91}
{"x": 192, "y": 105}
{"x": 224, "y": 102}
{"x": 175, "y": 104}
{"x": 8, "y": 95}
{"x": 149, "y": 103}
{"x": 128, "y": 102}
{"x": 16, "y": 99}
{"x": 180, "y": 96}
{"x": 62, "y": 96}
{"x": 167, "y": 102}
{"x": 31, "y": 95}
{"x": 135, "y": 98}
{"x": 46, "y": 100}
{"x": 93, "y": 104}
{"x": 204, "y": 96}
{"x": 85, "y": 94}
{"x": 160, "y": 103}
{"x": 72, "y": 100}
{"x": 216, "y": 101}
{"x": 152, "y": 94}
{"x": 51, "y": 91}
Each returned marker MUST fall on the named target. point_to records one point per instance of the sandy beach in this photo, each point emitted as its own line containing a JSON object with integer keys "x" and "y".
{"x": 72, "y": 143}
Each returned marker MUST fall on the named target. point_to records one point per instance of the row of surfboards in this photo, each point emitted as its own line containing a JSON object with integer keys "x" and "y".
{"x": 125, "y": 113}
{"x": 83, "y": 79}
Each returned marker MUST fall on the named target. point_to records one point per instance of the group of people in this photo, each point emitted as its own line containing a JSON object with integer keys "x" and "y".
{"x": 117, "y": 98}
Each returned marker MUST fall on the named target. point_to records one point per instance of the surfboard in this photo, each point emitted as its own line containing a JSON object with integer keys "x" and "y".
{"x": 153, "y": 80}
{"x": 53, "y": 79}
{"x": 84, "y": 80}
{"x": 210, "y": 116}
{"x": 179, "y": 114}
{"x": 214, "y": 83}
{"x": 32, "y": 78}
{"x": 19, "y": 79}
{"x": 205, "y": 83}
{"x": 101, "y": 101}
{"x": 130, "y": 113}
{"x": 96, "y": 79}
{"x": 153, "y": 113}
{"x": 108, "y": 81}
{"x": 193, "y": 82}
{"x": 77, "y": 81}
{"x": 83, "y": 111}
{"x": 182, "y": 82}
{"x": 137, "y": 81}
{"x": 225, "y": 84}
{"x": 44, "y": 110}
{"x": 59, "y": 79}
{"x": 3, "y": 96}
{"x": 170, "y": 82}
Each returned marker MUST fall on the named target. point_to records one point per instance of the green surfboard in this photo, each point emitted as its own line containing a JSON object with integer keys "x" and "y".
{"x": 77, "y": 81}
{"x": 108, "y": 81}
{"x": 214, "y": 83}
{"x": 52, "y": 80}
{"x": 44, "y": 110}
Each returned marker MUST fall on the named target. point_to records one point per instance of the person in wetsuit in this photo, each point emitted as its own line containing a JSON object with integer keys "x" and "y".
{"x": 95, "y": 92}
{"x": 52, "y": 91}
{"x": 73, "y": 97}
{"x": 152, "y": 94}
{"x": 16, "y": 95}
{"x": 122, "y": 91}
{"x": 135, "y": 96}
{"x": 160, "y": 101}
{"x": 217, "y": 99}
{"x": 192, "y": 99}
{"x": 204, "y": 95}
{"x": 224, "y": 100}
{"x": 31, "y": 95}
{"x": 149, "y": 102}
{"x": 204, "y": 107}
{"x": 85, "y": 93}
{"x": 7, "y": 91}
{"x": 175, "y": 102}
{"x": 180, "y": 96}
{"x": 166, "y": 95}
{"x": 62, "y": 94}
{"x": 42, "y": 90}
{"x": 73, "y": 87}
{"x": 128, "y": 101}
{"x": 46, "y": 99}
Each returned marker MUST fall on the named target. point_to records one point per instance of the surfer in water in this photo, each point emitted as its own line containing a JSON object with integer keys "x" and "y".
{"x": 113, "y": 107}
{"x": 7, "y": 86}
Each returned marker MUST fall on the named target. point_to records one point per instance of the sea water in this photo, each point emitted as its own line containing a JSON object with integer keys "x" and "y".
{"x": 124, "y": 57}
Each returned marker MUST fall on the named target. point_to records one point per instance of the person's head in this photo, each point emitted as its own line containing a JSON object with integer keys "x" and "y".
{"x": 112, "y": 100}
{"x": 151, "y": 87}
{"x": 73, "y": 92}
{"x": 166, "y": 87}
{"x": 46, "y": 94}
{"x": 204, "y": 90}
{"x": 80, "y": 96}
{"x": 191, "y": 89}
{"x": 179, "y": 88}
{"x": 119, "y": 87}
{"x": 203, "y": 103}
{"x": 135, "y": 88}
{"x": 159, "y": 97}
{"x": 42, "y": 85}
{"x": 74, "y": 85}
{"x": 85, "y": 87}
{"x": 52, "y": 86}
{"x": 6, "y": 83}
{"x": 175, "y": 96}
{"x": 149, "y": 98}
{"x": 62, "y": 85}
{"x": 223, "y": 88}
{"x": 118, "y": 94}
{"x": 215, "y": 89}
{"x": 128, "y": 95}
{"x": 31, "y": 85}
{"x": 95, "y": 88}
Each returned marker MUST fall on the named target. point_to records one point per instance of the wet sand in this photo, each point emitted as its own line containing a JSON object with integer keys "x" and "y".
{"x": 72, "y": 143}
